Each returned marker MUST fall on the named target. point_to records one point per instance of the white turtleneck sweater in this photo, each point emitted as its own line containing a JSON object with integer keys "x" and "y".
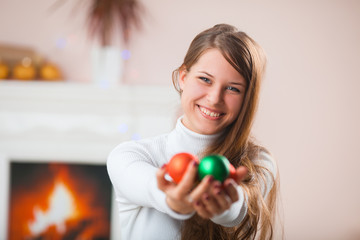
{"x": 143, "y": 212}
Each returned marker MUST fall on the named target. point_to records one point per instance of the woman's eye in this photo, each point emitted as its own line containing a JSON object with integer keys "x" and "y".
{"x": 233, "y": 89}
{"x": 205, "y": 79}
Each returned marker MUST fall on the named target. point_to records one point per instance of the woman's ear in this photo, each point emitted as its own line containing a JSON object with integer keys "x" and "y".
{"x": 182, "y": 77}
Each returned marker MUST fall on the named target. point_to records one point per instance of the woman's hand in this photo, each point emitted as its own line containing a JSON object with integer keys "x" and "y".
{"x": 209, "y": 198}
{"x": 213, "y": 198}
{"x": 177, "y": 195}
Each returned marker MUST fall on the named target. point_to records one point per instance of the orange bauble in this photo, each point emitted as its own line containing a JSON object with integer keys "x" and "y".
{"x": 50, "y": 72}
{"x": 178, "y": 164}
{"x": 4, "y": 70}
{"x": 24, "y": 70}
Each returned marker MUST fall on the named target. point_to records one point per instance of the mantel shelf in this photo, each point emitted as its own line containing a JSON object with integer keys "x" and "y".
{"x": 86, "y": 91}
{"x": 65, "y": 120}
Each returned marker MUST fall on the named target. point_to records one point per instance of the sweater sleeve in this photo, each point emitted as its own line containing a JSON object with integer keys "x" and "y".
{"x": 133, "y": 175}
{"x": 236, "y": 213}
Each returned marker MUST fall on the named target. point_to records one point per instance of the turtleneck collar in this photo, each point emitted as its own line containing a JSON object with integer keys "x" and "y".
{"x": 182, "y": 139}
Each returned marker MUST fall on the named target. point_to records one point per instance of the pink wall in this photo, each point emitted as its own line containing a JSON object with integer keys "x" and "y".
{"x": 309, "y": 111}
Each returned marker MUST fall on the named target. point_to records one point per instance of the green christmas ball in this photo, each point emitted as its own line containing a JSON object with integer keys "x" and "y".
{"x": 215, "y": 165}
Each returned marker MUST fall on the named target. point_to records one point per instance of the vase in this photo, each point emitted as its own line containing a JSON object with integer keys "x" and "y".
{"x": 107, "y": 65}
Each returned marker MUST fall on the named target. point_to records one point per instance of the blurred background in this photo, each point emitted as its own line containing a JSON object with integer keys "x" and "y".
{"x": 69, "y": 97}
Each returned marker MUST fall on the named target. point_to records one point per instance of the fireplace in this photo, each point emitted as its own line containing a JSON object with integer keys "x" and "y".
{"x": 59, "y": 201}
{"x": 57, "y": 137}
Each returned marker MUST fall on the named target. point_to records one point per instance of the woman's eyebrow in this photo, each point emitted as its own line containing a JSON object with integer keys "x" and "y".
{"x": 206, "y": 73}
{"x": 238, "y": 83}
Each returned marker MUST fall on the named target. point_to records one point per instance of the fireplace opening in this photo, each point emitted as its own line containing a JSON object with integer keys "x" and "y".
{"x": 59, "y": 201}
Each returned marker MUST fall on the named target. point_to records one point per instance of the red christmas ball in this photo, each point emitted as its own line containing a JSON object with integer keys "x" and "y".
{"x": 178, "y": 164}
{"x": 232, "y": 171}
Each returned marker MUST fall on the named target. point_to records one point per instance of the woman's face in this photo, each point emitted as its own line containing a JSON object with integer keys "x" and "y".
{"x": 212, "y": 93}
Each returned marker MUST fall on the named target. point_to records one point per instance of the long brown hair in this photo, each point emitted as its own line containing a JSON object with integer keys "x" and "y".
{"x": 236, "y": 143}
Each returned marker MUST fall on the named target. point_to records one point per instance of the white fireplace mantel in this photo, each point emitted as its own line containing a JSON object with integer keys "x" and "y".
{"x": 82, "y": 122}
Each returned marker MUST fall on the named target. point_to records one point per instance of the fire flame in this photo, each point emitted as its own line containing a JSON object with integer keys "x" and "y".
{"x": 60, "y": 201}
{"x": 61, "y": 208}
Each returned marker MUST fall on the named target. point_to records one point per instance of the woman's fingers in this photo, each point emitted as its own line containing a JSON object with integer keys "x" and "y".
{"x": 200, "y": 189}
{"x": 188, "y": 180}
{"x": 240, "y": 174}
{"x": 230, "y": 188}
{"x": 162, "y": 183}
{"x": 203, "y": 202}
{"x": 223, "y": 200}
{"x": 212, "y": 198}
{"x": 201, "y": 210}
{"x": 214, "y": 202}
{"x": 175, "y": 199}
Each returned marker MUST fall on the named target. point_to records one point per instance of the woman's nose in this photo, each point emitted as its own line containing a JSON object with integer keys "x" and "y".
{"x": 215, "y": 95}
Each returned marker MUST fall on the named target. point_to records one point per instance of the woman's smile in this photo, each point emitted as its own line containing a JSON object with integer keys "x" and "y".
{"x": 210, "y": 114}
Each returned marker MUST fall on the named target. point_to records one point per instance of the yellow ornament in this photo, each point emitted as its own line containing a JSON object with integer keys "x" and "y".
{"x": 25, "y": 70}
{"x": 4, "y": 70}
{"x": 49, "y": 71}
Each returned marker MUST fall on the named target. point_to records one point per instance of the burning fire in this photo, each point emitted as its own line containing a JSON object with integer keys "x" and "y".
{"x": 60, "y": 201}
{"x": 61, "y": 208}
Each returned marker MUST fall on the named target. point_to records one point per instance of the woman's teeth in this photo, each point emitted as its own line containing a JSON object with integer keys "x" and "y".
{"x": 209, "y": 113}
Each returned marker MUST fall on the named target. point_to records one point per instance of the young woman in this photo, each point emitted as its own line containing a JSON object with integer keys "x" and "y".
{"x": 219, "y": 84}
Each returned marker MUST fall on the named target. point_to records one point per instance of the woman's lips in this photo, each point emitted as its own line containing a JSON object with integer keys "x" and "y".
{"x": 210, "y": 113}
